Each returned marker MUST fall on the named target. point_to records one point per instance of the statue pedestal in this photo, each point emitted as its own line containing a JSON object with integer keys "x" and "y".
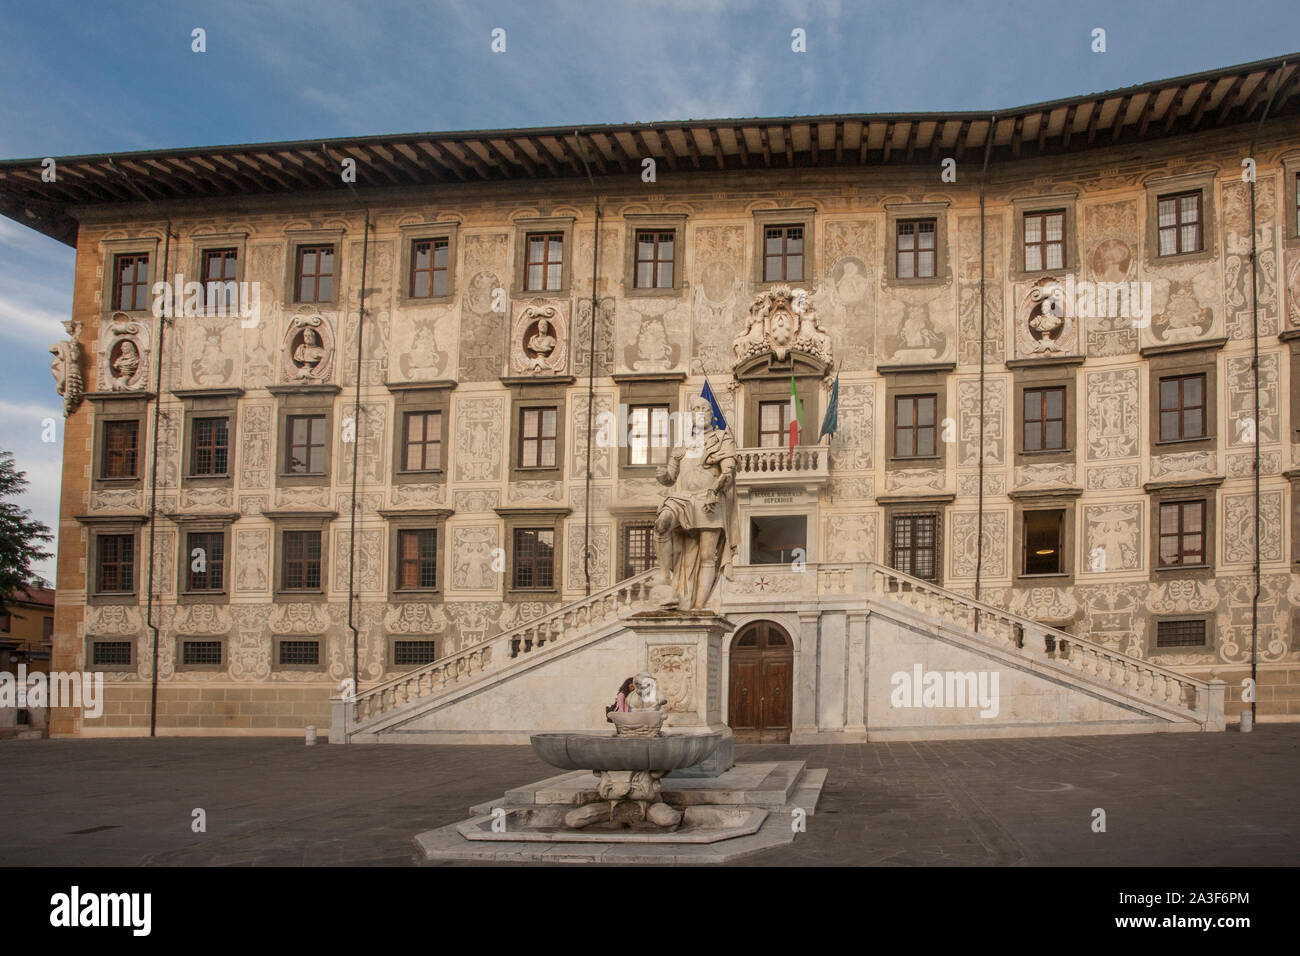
{"x": 683, "y": 653}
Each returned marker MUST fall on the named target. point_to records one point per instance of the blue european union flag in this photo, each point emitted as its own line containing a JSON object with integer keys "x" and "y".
{"x": 707, "y": 394}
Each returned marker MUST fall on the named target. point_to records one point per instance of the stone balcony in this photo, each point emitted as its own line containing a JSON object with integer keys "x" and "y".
{"x": 809, "y": 468}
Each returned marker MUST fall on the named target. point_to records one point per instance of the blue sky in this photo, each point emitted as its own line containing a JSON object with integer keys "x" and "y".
{"x": 106, "y": 77}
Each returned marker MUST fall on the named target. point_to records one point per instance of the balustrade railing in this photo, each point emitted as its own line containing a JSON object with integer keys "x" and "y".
{"x": 805, "y": 462}
{"x": 1040, "y": 641}
{"x": 495, "y": 652}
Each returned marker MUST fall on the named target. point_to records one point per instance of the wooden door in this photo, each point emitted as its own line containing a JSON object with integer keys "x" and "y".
{"x": 762, "y": 672}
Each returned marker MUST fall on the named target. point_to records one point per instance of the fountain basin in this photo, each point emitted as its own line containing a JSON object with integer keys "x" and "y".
{"x": 596, "y": 753}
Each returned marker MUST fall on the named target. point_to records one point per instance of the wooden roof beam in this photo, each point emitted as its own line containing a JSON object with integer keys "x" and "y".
{"x": 617, "y": 153}
{"x": 839, "y": 143}
{"x": 1118, "y": 127}
{"x": 742, "y": 147}
{"x": 718, "y": 155}
{"x": 175, "y": 172}
{"x": 889, "y": 141}
{"x": 542, "y": 154}
{"x": 596, "y": 156}
{"x": 467, "y": 157}
{"x": 667, "y": 148}
{"x": 913, "y": 128}
{"x": 374, "y": 162}
{"x": 1068, "y": 129}
{"x": 514, "y": 153}
{"x": 292, "y": 167}
{"x": 1171, "y": 114}
{"x": 395, "y": 158}
{"x": 691, "y": 147}
{"x": 1097, "y": 106}
{"x": 1200, "y": 103}
{"x": 434, "y": 153}
{"x": 1044, "y": 121}
{"x": 1016, "y": 130}
{"x": 814, "y": 143}
{"x": 1229, "y": 100}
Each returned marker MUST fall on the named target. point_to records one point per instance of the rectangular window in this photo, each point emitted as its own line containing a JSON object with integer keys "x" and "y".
{"x": 315, "y": 274}
{"x": 654, "y": 259}
{"x": 777, "y": 539}
{"x": 4, "y": 623}
{"x": 47, "y": 627}
{"x": 305, "y": 450}
{"x": 200, "y": 652}
{"x": 301, "y": 561}
{"x": 916, "y": 248}
{"x": 220, "y": 270}
{"x": 914, "y": 544}
{"x": 422, "y": 441}
{"x": 206, "y": 554}
{"x": 429, "y": 264}
{"x": 131, "y": 282}
{"x": 299, "y": 653}
{"x": 1044, "y": 419}
{"x": 110, "y": 654}
{"x": 1044, "y": 240}
{"x": 1182, "y": 407}
{"x": 773, "y": 424}
{"x": 783, "y": 254}
{"x": 1182, "y": 534}
{"x": 544, "y": 265}
{"x": 914, "y": 426}
{"x": 414, "y": 653}
{"x": 210, "y": 446}
{"x": 1044, "y": 542}
{"x": 116, "y": 563}
{"x": 121, "y": 444}
{"x": 638, "y": 549}
{"x": 537, "y": 437}
{"x": 647, "y": 434}
{"x": 534, "y": 558}
{"x": 1180, "y": 634}
{"x": 417, "y": 559}
{"x": 1179, "y": 223}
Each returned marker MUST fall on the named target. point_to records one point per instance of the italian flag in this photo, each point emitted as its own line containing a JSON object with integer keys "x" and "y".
{"x": 796, "y": 417}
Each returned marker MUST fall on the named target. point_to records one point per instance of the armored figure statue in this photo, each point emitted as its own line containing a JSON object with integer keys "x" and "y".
{"x": 66, "y": 368}
{"x": 697, "y": 530}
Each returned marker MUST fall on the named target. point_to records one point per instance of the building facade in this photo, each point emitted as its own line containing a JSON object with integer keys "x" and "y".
{"x": 1052, "y": 403}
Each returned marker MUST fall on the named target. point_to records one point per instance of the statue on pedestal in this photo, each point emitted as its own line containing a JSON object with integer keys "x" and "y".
{"x": 697, "y": 529}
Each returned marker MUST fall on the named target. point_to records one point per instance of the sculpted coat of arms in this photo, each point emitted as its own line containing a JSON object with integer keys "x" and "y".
{"x": 782, "y": 320}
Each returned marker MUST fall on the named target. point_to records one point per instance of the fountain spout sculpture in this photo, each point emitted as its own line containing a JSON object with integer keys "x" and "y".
{"x": 629, "y": 764}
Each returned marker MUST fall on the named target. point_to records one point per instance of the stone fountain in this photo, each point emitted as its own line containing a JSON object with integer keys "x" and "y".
{"x": 612, "y": 805}
{"x": 629, "y": 765}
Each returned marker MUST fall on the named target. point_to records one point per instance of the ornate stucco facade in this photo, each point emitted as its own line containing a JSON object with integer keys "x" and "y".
{"x": 477, "y": 355}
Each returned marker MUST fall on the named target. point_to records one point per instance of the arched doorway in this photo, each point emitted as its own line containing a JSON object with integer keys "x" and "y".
{"x": 762, "y": 672}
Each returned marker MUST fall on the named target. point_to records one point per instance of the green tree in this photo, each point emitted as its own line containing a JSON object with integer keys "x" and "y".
{"x": 21, "y": 536}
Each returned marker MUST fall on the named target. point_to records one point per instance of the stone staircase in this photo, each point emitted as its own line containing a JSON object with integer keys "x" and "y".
{"x": 388, "y": 704}
{"x": 401, "y": 709}
{"x": 1141, "y": 684}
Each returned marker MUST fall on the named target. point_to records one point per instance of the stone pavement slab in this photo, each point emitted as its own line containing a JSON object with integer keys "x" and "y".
{"x": 1170, "y": 800}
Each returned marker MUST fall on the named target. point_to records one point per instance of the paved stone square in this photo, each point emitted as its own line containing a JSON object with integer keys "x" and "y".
{"x": 1172, "y": 800}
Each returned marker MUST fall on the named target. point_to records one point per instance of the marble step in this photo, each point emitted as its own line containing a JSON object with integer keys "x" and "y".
{"x": 773, "y": 783}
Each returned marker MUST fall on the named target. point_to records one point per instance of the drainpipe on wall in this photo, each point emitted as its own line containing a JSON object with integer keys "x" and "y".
{"x": 591, "y": 375}
{"x": 356, "y": 444}
{"x": 153, "y": 490}
{"x": 1254, "y": 368}
{"x": 153, "y": 466}
{"x": 356, "y": 448}
{"x": 979, "y": 520}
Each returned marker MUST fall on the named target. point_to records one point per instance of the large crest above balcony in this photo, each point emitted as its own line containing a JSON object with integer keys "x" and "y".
{"x": 782, "y": 334}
